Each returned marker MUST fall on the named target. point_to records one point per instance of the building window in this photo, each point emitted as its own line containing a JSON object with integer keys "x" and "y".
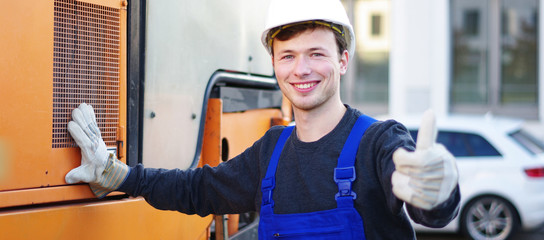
{"x": 495, "y": 61}
{"x": 471, "y": 22}
{"x": 376, "y": 25}
{"x": 519, "y": 69}
{"x": 366, "y": 87}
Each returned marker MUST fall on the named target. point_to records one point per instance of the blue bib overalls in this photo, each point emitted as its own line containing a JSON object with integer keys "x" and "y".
{"x": 343, "y": 222}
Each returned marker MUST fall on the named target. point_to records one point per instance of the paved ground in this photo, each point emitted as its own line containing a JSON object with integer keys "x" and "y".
{"x": 535, "y": 235}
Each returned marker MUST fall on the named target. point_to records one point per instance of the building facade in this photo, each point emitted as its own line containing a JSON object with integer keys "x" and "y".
{"x": 455, "y": 56}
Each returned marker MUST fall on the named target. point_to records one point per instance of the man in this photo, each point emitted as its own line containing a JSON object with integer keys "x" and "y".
{"x": 337, "y": 175}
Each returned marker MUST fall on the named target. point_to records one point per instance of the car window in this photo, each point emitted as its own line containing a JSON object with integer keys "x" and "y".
{"x": 479, "y": 146}
{"x": 528, "y": 142}
{"x": 463, "y": 144}
{"x": 455, "y": 142}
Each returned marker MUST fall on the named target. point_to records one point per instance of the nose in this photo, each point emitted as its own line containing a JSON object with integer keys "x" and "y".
{"x": 302, "y": 67}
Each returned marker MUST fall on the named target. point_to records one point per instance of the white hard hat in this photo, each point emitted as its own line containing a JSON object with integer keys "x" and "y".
{"x": 283, "y": 12}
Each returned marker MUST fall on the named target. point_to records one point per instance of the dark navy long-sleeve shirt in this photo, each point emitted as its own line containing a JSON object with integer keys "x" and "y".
{"x": 304, "y": 180}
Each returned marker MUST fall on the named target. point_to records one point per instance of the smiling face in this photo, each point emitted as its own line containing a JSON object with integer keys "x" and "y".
{"x": 308, "y": 68}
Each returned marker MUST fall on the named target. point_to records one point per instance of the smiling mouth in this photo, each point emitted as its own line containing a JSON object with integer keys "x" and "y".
{"x": 304, "y": 86}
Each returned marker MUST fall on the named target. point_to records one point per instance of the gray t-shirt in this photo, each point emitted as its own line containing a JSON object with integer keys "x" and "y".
{"x": 304, "y": 180}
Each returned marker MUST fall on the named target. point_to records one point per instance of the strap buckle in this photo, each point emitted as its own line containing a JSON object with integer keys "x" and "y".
{"x": 268, "y": 184}
{"x": 344, "y": 178}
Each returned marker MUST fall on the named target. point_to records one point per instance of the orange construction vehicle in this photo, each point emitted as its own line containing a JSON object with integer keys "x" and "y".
{"x": 175, "y": 84}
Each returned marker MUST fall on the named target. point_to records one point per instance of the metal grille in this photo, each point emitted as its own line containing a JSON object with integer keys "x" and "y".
{"x": 85, "y": 67}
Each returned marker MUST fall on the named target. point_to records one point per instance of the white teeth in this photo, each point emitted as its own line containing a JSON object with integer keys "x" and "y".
{"x": 304, "y": 85}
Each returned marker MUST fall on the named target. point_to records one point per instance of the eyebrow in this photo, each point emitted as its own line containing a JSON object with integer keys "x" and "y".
{"x": 318, "y": 49}
{"x": 312, "y": 49}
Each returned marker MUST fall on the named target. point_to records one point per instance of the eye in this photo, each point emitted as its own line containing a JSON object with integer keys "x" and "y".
{"x": 286, "y": 57}
{"x": 317, "y": 54}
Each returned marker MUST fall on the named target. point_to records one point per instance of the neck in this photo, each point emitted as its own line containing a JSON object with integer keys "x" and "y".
{"x": 316, "y": 123}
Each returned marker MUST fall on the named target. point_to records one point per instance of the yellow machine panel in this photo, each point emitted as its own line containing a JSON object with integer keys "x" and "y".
{"x": 55, "y": 55}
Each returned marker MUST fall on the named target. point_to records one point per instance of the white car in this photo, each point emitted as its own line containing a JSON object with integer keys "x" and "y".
{"x": 501, "y": 175}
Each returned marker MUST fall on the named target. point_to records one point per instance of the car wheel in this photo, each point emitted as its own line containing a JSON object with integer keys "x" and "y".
{"x": 489, "y": 218}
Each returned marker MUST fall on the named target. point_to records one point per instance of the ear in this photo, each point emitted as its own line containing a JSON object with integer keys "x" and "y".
{"x": 344, "y": 60}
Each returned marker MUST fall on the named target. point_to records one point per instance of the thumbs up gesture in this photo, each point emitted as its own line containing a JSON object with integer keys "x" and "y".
{"x": 426, "y": 177}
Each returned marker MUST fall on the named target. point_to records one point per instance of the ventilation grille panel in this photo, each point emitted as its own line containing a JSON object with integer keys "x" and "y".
{"x": 85, "y": 67}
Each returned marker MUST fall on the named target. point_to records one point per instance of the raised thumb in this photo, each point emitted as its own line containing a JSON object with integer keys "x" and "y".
{"x": 426, "y": 136}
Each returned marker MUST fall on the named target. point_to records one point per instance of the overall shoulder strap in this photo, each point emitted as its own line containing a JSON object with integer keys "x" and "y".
{"x": 269, "y": 181}
{"x": 347, "y": 156}
{"x": 344, "y": 173}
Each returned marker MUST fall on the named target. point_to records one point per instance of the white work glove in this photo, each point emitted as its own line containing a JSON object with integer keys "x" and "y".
{"x": 101, "y": 170}
{"x": 94, "y": 153}
{"x": 426, "y": 177}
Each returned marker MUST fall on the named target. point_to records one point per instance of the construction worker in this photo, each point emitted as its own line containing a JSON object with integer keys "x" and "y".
{"x": 337, "y": 174}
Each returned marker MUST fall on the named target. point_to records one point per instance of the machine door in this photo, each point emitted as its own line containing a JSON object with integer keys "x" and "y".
{"x": 57, "y": 54}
